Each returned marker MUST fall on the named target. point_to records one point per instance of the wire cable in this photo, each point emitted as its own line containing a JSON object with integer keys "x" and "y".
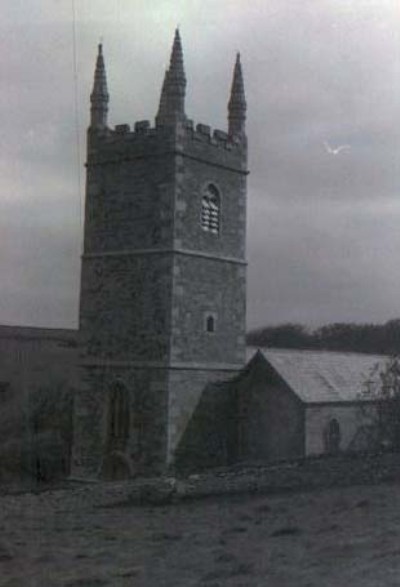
{"x": 77, "y": 120}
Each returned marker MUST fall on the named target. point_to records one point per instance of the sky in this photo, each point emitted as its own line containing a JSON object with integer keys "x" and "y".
{"x": 323, "y": 236}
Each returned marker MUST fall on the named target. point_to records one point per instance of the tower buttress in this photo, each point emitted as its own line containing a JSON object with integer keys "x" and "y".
{"x": 237, "y": 102}
{"x": 172, "y": 100}
{"x": 99, "y": 96}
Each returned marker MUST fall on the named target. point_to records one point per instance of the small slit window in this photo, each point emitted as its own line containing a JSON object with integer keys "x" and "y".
{"x": 210, "y": 324}
{"x": 210, "y": 210}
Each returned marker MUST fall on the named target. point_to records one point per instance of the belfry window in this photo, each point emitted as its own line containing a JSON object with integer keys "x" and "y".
{"x": 210, "y": 210}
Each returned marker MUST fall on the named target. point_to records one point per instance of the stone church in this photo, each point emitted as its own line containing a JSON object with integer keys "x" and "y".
{"x": 159, "y": 363}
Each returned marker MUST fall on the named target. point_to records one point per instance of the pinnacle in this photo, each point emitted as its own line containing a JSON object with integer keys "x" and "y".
{"x": 237, "y": 91}
{"x": 100, "y": 80}
{"x": 176, "y": 68}
{"x": 237, "y": 102}
{"x": 172, "y": 100}
{"x": 99, "y": 96}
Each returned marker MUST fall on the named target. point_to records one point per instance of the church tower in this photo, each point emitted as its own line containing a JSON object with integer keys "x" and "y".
{"x": 162, "y": 305}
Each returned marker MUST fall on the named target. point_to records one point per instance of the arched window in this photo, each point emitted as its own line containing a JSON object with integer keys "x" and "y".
{"x": 211, "y": 210}
{"x": 118, "y": 417}
{"x": 332, "y": 436}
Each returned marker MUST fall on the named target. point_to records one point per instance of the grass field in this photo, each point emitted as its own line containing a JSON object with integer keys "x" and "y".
{"x": 328, "y": 538}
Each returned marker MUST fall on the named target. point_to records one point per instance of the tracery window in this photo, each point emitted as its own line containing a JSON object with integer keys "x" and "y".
{"x": 211, "y": 210}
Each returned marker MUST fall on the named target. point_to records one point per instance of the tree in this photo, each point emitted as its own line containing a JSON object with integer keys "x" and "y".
{"x": 288, "y": 335}
{"x": 36, "y": 434}
{"x": 383, "y": 387}
{"x": 48, "y": 437}
{"x": 11, "y": 434}
{"x": 344, "y": 337}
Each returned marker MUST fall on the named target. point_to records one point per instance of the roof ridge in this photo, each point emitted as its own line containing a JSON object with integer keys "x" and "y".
{"x": 315, "y": 351}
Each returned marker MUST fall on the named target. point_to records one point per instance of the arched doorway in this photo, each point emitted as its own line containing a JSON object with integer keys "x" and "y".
{"x": 116, "y": 461}
{"x": 118, "y": 417}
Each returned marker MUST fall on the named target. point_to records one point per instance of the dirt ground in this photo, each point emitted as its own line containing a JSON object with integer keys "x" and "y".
{"x": 334, "y": 538}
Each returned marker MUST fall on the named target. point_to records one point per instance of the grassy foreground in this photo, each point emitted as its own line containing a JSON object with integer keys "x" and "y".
{"x": 331, "y": 537}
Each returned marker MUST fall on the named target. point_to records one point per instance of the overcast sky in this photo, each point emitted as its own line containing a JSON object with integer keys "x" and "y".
{"x": 323, "y": 229}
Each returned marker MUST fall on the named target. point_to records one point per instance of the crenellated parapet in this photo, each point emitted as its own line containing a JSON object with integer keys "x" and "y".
{"x": 143, "y": 140}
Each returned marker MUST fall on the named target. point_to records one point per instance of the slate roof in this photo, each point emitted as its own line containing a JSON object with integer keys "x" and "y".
{"x": 322, "y": 376}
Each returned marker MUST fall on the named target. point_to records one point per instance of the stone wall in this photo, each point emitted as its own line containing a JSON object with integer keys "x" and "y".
{"x": 271, "y": 416}
{"x": 210, "y": 437}
{"x": 200, "y": 164}
{"x": 151, "y": 276}
{"x": 125, "y": 307}
{"x": 249, "y": 479}
{"x": 147, "y": 391}
{"x": 351, "y": 418}
{"x": 299, "y": 475}
{"x": 130, "y": 192}
{"x": 205, "y": 287}
{"x": 198, "y": 402}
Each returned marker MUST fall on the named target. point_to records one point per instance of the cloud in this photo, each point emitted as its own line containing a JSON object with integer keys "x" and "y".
{"x": 322, "y": 239}
{"x": 328, "y": 265}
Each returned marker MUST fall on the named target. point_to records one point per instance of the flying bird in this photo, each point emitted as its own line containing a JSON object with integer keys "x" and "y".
{"x": 335, "y": 150}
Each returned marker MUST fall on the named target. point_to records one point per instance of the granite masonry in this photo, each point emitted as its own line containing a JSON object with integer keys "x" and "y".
{"x": 163, "y": 289}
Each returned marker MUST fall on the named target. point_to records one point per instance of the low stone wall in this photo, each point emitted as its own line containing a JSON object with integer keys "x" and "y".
{"x": 304, "y": 475}
{"x": 301, "y": 475}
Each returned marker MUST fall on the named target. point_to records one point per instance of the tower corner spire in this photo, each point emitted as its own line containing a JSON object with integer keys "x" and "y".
{"x": 172, "y": 100}
{"x": 99, "y": 97}
{"x": 237, "y": 102}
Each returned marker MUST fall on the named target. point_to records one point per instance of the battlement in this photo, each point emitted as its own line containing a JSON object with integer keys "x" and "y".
{"x": 200, "y": 132}
{"x": 146, "y": 140}
{"x": 217, "y": 138}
